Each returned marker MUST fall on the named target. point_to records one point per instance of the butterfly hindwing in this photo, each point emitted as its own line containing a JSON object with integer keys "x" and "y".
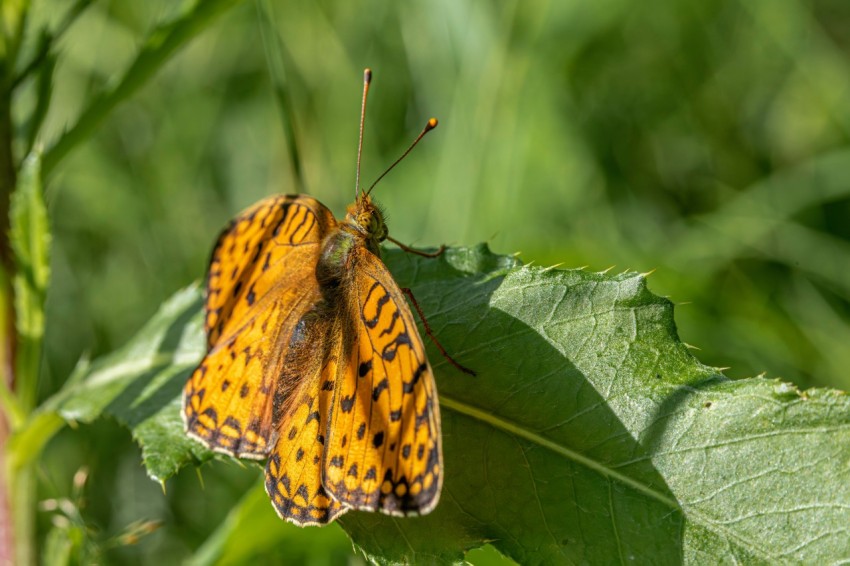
{"x": 293, "y": 471}
{"x": 260, "y": 283}
{"x": 383, "y": 450}
{"x": 294, "y": 468}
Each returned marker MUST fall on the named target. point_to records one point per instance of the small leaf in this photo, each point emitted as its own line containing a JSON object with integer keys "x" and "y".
{"x": 31, "y": 242}
{"x": 30, "y": 239}
{"x": 44, "y": 89}
{"x": 590, "y": 435}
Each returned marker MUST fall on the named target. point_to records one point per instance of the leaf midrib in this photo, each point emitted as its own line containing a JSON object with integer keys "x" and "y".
{"x": 448, "y": 402}
{"x": 517, "y": 430}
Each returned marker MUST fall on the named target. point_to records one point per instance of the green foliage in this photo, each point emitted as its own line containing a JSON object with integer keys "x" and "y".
{"x": 579, "y": 133}
{"x": 590, "y": 434}
{"x": 707, "y": 141}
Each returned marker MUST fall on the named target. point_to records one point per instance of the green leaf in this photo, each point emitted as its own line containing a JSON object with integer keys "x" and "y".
{"x": 590, "y": 434}
{"x": 44, "y": 89}
{"x": 140, "y": 385}
{"x": 30, "y": 239}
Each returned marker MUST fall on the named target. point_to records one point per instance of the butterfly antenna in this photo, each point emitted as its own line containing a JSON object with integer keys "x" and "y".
{"x": 432, "y": 123}
{"x": 367, "y": 78}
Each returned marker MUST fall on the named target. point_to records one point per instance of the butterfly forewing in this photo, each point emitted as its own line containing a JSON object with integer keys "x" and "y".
{"x": 268, "y": 247}
{"x": 260, "y": 284}
{"x": 383, "y": 449}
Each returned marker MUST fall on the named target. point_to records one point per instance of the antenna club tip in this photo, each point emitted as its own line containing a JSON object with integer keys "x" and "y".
{"x": 432, "y": 123}
{"x": 367, "y": 75}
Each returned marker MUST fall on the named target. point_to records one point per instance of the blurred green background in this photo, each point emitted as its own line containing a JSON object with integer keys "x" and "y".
{"x": 704, "y": 139}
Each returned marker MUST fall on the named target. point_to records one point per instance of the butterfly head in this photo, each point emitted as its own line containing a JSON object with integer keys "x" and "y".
{"x": 367, "y": 219}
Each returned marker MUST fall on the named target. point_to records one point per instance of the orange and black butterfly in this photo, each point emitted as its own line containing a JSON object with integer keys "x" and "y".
{"x": 314, "y": 361}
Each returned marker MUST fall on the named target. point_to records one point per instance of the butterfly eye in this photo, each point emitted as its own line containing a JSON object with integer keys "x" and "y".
{"x": 377, "y": 227}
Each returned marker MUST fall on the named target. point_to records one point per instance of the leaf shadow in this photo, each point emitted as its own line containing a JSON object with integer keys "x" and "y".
{"x": 536, "y": 461}
{"x": 675, "y": 402}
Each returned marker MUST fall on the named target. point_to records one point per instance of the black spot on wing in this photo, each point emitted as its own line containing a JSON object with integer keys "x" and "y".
{"x": 347, "y": 403}
{"x": 234, "y": 424}
{"x": 372, "y": 322}
{"x": 364, "y": 368}
{"x": 378, "y": 389}
{"x": 408, "y": 386}
{"x": 391, "y": 349}
{"x": 302, "y": 491}
{"x": 389, "y": 328}
{"x": 211, "y": 413}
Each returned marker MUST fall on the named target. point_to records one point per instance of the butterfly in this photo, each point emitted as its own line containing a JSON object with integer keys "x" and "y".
{"x": 314, "y": 362}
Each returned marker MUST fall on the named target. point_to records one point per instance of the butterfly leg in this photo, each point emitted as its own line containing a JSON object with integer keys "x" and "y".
{"x": 410, "y": 250}
{"x": 430, "y": 334}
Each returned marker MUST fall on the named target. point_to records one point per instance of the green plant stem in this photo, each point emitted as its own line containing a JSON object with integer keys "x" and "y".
{"x": 20, "y": 456}
{"x": 15, "y": 540}
{"x": 23, "y": 502}
{"x": 12, "y": 409}
{"x": 156, "y": 51}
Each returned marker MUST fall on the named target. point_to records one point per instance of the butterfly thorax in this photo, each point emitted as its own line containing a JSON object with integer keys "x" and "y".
{"x": 363, "y": 226}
